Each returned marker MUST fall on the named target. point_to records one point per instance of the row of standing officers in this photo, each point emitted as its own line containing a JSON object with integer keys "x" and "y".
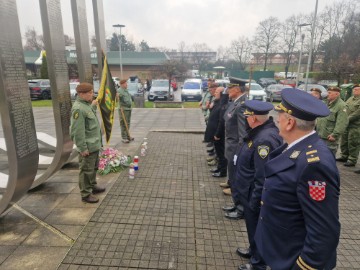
{"x": 283, "y": 178}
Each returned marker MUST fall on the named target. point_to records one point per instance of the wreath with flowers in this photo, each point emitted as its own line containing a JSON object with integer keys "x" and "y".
{"x": 112, "y": 160}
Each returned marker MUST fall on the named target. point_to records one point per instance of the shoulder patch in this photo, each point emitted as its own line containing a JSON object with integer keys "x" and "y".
{"x": 295, "y": 154}
{"x": 317, "y": 190}
{"x": 263, "y": 151}
{"x": 76, "y": 115}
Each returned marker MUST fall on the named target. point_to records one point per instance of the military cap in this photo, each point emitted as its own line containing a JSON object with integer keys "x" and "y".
{"x": 213, "y": 85}
{"x": 238, "y": 81}
{"x": 84, "y": 87}
{"x": 123, "y": 81}
{"x": 301, "y": 104}
{"x": 256, "y": 107}
{"x": 334, "y": 88}
{"x": 315, "y": 90}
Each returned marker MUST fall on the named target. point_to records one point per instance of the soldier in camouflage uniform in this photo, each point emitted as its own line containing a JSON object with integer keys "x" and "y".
{"x": 331, "y": 128}
{"x": 125, "y": 103}
{"x": 86, "y": 134}
{"x": 350, "y": 140}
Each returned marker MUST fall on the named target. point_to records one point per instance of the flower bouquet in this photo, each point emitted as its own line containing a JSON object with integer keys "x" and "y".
{"x": 112, "y": 160}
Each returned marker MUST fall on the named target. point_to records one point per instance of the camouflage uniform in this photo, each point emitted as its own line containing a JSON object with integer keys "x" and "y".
{"x": 334, "y": 124}
{"x": 86, "y": 134}
{"x": 350, "y": 140}
{"x": 125, "y": 103}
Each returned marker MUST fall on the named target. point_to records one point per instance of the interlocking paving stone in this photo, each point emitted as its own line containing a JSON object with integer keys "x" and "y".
{"x": 170, "y": 217}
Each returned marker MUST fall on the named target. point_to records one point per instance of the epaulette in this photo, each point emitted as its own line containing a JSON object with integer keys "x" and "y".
{"x": 312, "y": 155}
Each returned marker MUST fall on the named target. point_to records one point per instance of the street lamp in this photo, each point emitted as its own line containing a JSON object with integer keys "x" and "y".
{"x": 311, "y": 46}
{"x": 119, "y": 40}
{"x": 301, "y": 49}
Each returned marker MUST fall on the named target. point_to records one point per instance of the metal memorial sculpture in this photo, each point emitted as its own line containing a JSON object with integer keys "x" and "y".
{"x": 16, "y": 111}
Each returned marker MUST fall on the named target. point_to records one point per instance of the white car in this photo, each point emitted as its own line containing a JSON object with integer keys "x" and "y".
{"x": 73, "y": 92}
{"x": 191, "y": 90}
{"x": 256, "y": 92}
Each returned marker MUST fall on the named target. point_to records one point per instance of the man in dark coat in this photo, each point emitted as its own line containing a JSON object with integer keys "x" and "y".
{"x": 299, "y": 224}
{"x": 262, "y": 138}
{"x": 235, "y": 131}
{"x": 215, "y": 132}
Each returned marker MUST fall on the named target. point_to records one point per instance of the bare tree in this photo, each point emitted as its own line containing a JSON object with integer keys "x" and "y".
{"x": 199, "y": 55}
{"x": 240, "y": 50}
{"x": 182, "y": 50}
{"x": 266, "y": 35}
{"x": 289, "y": 32}
{"x": 69, "y": 41}
{"x": 34, "y": 42}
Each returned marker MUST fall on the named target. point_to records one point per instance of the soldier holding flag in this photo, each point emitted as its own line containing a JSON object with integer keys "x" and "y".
{"x": 125, "y": 103}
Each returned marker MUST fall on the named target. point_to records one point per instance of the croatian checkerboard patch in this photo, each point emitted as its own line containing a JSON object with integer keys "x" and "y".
{"x": 317, "y": 190}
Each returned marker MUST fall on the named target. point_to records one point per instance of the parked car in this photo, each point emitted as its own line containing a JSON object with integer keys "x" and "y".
{"x": 273, "y": 91}
{"x": 160, "y": 90}
{"x": 264, "y": 82}
{"x": 191, "y": 90}
{"x": 134, "y": 89}
{"x": 73, "y": 85}
{"x": 73, "y": 92}
{"x": 40, "y": 89}
{"x": 256, "y": 92}
{"x": 309, "y": 86}
{"x": 290, "y": 82}
{"x": 222, "y": 83}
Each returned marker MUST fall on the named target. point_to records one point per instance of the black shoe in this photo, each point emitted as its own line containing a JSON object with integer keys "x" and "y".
{"x": 210, "y": 144}
{"x": 212, "y": 154}
{"x": 214, "y": 170}
{"x": 235, "y": 215}
{"x": 349, "y": 164}
{"x": 98, "y": 189}
{"x": 210, "y": 150}
{"x": 357, "y": 171}
{"x": 341, "y": 159}
{"x": 219, "y": 174}
{"x": 230, "y": 208}
{"x": 243, "y": 252}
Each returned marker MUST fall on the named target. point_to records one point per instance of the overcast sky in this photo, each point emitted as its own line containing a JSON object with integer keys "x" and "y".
{"x": 165, "y": 23}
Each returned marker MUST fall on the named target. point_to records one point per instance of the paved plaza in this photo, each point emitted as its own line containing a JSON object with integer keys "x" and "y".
{"x": 168, "y": 217}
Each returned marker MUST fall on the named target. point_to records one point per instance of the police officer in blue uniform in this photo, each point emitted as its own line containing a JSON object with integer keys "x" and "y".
{"x": 262, "y": 138}
{"x": 299, "y": 224}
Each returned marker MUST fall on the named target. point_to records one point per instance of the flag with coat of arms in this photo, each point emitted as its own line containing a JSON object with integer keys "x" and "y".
{"x": 107, "y": 99}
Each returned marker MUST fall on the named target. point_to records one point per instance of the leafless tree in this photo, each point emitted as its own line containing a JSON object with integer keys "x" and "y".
{"x": 34, "y": 42}
{"x": 199, "y": 57}
{"x": 289, "y": 32}
{"x": 69, "y": 41}
{"x": 240, "y": 50}
{"x": 265, "y": 37}
{"x": 182, "y": 50}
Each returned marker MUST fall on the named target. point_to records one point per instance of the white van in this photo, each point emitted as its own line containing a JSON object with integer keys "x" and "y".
{"x": 191, "y": 90}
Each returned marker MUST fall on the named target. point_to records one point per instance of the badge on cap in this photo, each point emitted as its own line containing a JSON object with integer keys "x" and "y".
{"x": 263, "y": 151}
{"x": 76, "y": 115}
{"x": 317, "y": 190}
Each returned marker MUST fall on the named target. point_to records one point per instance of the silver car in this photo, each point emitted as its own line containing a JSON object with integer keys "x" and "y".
{"x": 273, "y": 91}
{"x": 309, "y": 86}
{"x": 160, "y": 90}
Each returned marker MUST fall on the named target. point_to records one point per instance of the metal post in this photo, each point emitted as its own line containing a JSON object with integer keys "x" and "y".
{"x": 311, "y": 46}
{"x": 119, "y": 40}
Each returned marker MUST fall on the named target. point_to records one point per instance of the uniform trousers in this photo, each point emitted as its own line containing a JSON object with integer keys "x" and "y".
{"x": 87, "y": 176}
{"x": 220, "y": 153}
{"x": 127, "y": 114}
{"x": 350, "y": 144}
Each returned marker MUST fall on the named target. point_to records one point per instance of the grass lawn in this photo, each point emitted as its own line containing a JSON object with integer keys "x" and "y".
{"x": 41, "y": 103}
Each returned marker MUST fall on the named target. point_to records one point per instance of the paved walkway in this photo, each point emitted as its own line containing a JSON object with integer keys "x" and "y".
{"x": 168, "y": 217}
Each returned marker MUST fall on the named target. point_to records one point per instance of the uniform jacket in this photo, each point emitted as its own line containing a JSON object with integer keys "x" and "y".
{"x": 353, "y": 111}
{"x": 299, "y": 224}
{"x": 235, "y": 127}
{"x": 253, "y": 154}
{"x": 213, "y": 121}
{"x": 85, "y": 129}
{"x": 124, "y": 99}
{"x": 206, "y": 97}
{"x": 335, "y": 123}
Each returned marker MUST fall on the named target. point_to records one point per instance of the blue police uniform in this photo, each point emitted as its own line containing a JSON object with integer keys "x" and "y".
{"x": 299, "y": 224}
{"x": 253, "y": 154}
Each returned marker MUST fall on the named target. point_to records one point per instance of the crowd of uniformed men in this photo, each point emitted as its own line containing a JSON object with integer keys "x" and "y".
{"x": 283, "y": 176}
